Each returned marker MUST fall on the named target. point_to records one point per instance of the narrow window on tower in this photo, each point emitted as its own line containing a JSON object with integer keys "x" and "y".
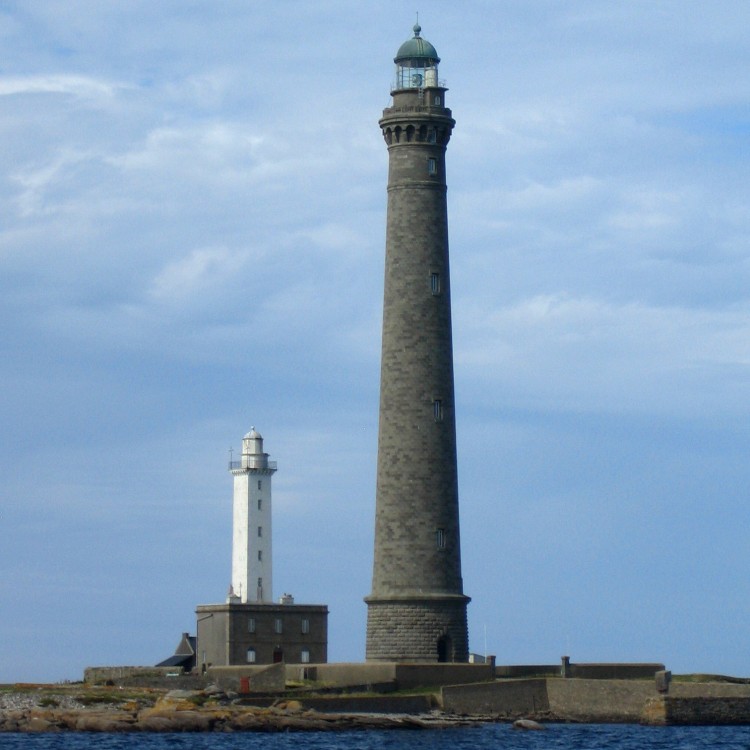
{"x": 437, "y": 101}
{"x": 437, "y": 410}
{"x": 260, "y": 531}
{"x": 251, "y": 655}
{"x": 440, "y": 538}
{"x": 435, "y": 283}
{"x": 260, "y": 555}
{"x": 259, "y": 483}
{"x": 260, "y": 503}
{"x": 432, "y": 135}
{"x": 278, "y": 626}
{"x": 260, "y": 583}
{"x": 305, "y": 625}
{"x": 250, "y": 624}
{"x": 431, "y": 166}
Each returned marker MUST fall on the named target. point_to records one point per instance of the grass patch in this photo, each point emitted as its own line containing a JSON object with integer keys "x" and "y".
{"x": 114, "y": 696}
{"x": 700, "y": 678}
{"x": 199, "y": 699}
{"x": 24, "y": 687}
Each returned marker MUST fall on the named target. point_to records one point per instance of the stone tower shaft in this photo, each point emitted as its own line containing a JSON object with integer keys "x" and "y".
{"x": 416, "y": 481}
{"x": 417, "y": 610}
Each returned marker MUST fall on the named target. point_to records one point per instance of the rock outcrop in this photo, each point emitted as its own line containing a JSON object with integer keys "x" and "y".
{"x": 201, "y": 711}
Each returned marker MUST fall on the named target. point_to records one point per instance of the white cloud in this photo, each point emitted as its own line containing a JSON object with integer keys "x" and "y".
{"x": 591, "y": 353}
{"x": 36, "y": 182}
{"x": 199, "y": 149}
{"x": 536, "y": 195}
{"x": 82, "y": 87}
{"x": 335, "y": 236}
{"x": 195, "y": 274}
{"x": 648, "y": 208}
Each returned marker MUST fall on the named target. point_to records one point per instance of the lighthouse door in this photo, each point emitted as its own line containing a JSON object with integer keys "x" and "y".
{"x": 444, "y": 648}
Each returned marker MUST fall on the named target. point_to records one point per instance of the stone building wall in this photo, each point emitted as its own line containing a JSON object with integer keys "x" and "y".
{"x": 155, "y": 677}
{"x": 227, "y": 633}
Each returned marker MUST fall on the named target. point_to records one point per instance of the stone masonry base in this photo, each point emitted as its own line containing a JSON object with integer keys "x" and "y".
{"x": 417, "y": 630}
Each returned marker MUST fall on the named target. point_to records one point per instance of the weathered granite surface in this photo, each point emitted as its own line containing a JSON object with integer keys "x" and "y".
{"x": 191, "y": 711}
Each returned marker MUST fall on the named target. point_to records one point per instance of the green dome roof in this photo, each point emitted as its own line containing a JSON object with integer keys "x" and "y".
{"x": 416, "y": 47}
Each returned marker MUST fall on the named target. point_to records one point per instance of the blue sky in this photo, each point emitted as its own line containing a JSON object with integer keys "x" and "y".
{"x": 192, "y": 214}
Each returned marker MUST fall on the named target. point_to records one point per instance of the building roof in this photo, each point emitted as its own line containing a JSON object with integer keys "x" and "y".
{"x": 186, "y": 661}
{"x": 416, "y": 48}
{"x": 184, "y": 655}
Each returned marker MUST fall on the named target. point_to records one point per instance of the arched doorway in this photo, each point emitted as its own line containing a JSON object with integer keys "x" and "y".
{"x": 444, "y": 648}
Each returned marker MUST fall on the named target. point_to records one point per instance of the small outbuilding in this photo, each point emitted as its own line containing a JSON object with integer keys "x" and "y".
{"x": 184, "y": 655}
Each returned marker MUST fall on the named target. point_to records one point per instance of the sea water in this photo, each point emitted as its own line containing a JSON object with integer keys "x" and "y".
{"x": 484, "y": 737}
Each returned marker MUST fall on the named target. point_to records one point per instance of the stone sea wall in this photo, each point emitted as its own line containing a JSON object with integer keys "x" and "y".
{"x": 692, "y": 711}
{"x": 602, "y": 701}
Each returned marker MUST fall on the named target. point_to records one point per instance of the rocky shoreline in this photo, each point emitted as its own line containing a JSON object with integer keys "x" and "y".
{"x": 83, "y": 707}
{"x": 188, "y": 711}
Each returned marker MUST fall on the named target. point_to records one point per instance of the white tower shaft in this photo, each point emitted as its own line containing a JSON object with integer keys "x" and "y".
{"x": 251, "y": 536}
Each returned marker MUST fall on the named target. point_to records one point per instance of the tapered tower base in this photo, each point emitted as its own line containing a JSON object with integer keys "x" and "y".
{"x": 426, "y": 629}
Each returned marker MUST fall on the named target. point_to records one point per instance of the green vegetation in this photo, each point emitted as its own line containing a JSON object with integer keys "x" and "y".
{"x": 199, "y": 699}
{"x": 710, "y": 678}
{"x": 114, "y": 696}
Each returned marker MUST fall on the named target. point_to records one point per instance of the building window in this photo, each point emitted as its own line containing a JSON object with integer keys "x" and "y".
{"x": 260, "y": 555}
{"x": 435, "y": 283}
{"x": 250, "y": 624}
{"x": 437, "y": 100}
{"x": 432, "y": 135}
{"x": 440, "y": 538}
{"x": 305, "y": 625}
{"x": 260, "y": 531}
{"x": 437, "y": 410}
{"x": 305, "y": 656}
{"x": 251, "y": 655}
{"x": 259, "y": 483}
{"x": 278, "y": 626}
{"x": 431, "y": 166}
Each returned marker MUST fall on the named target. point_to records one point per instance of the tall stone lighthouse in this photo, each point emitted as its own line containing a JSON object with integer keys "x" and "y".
{"x": 417, "y": 608}
{"x": 251, "y": 522}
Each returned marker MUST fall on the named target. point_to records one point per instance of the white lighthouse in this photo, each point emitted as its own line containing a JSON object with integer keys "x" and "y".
{"x": 251, "y": 535}
{"x": 250, "y": 627}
